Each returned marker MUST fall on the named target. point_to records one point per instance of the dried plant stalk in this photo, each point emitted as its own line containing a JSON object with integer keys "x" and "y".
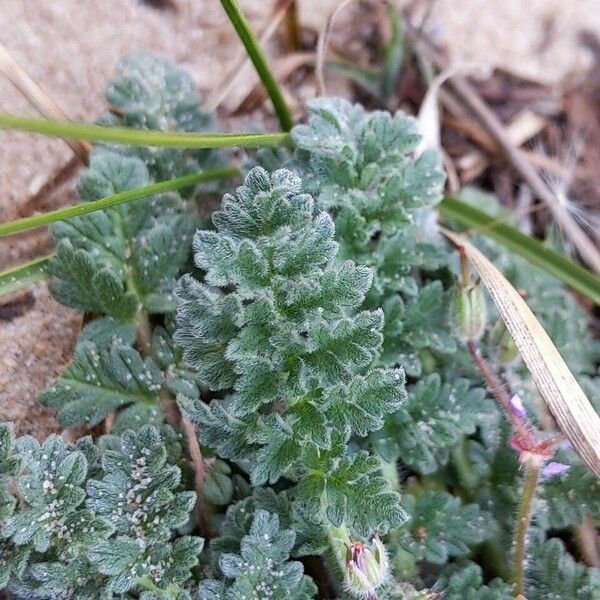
{"x": 557, "y": 385}
{"x": 39, "y": 99}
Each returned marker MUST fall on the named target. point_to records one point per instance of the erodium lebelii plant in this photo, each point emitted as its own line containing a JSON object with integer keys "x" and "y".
{"x": 292, "y": 396}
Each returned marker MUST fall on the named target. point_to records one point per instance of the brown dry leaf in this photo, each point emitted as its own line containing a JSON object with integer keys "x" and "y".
{"x": 561, "y": 392}
{"x": 429, "y": 114}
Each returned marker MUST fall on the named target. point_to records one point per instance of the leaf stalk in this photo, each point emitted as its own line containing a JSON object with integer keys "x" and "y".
{"x": 140, "y": 137}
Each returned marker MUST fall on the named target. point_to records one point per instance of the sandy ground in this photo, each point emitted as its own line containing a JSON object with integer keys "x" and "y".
{"x": 534, "y": 38}
{"x": 71, "y": 48}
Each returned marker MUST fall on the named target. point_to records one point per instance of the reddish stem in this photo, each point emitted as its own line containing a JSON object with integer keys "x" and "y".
{"x": 551, "y": 441}
{"x": 523, "y": 431}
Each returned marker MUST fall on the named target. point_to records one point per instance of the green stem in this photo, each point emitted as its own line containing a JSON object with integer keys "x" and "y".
{"x": 84, "y": 208}
{"x": 522, "y": 526}
{"x": 247, "y": 37}
{"x": 583, "y": 281}
{"x": 22, "y": 276}
{"x": 139, "y": 137}
{"x": 142, "y": 320}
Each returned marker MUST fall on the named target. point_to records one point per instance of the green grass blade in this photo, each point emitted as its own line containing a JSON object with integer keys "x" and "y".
{"x": 564, "y": 269}
{"x": 247, "y": 37}
{"x": 84, "y": 208}
{"x": 22, "y": 276}
{"x": 139, "y": 137}
{"x": 393, "y": 54}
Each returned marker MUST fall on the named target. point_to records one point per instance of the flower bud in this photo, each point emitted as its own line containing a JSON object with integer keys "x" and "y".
{"x": 470, "y": 312}
{"x": 366, "y": 568}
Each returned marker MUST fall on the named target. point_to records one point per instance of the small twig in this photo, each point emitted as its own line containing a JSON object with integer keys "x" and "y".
{"x": 453, "y": 179}
{"x": 144, "y": 332}
{"x": 39, "y": 99}
{"x": 524, "y": 515}
{"x": 292, "y": 27}
{"x": 195, "y": 454}
{"x": 199, "y": 473}
{"x": 428, "y": 11}
{"x": 283, "y": 67}
{"x": 496, "y": 130}
{"x": 323, "y": 41}
{"x": 242, "y": 60}
{"x": 109, "y": 422}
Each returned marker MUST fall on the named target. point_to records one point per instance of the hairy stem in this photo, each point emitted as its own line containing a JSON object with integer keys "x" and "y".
{"x": 16, "y": 278}
{"x": 84, "y": 208}
{"x": 140, "y": 137}
{"x": 247, "y": 37}
{"x": 499, "y": 393}
{"x": 524, "y": 514}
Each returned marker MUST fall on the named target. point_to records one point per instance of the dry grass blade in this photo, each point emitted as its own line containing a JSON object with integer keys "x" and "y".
{"x": 517, "y": 158}
{"x": 322, "y": 45}
{"x": 588, "y": 251}
{"x": 283, "y": 68}
{"x": 292, "y": 27}
{"x": 561, "y": 392}
{"x": 242, "y": 61}
{"x": 38, "y": 98}
{"x": 429, "y": 115}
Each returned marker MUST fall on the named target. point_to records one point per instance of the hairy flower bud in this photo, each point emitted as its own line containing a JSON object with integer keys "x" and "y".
{"x": 470, "y": 312}
{"x": 366, "y": 568}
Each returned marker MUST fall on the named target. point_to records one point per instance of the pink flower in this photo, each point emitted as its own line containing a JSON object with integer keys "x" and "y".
{"x": 516, "y": 405}
{"x": 367, "y": 567}
{"x": 554, "y": 469}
